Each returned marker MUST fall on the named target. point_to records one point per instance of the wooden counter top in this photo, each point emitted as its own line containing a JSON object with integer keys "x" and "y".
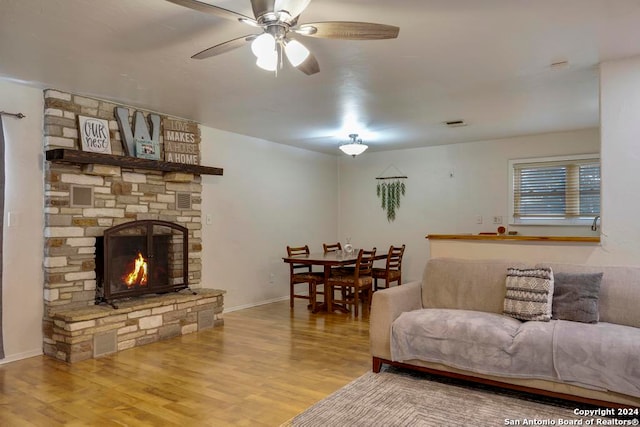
{"x": 516, "y": 238}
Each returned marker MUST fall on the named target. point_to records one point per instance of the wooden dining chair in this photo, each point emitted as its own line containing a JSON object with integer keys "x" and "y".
{"x": 302, "y": 273}
{"x": 331, "y": 247}
{"x": 357, "y": 286}
{"x": 334, "y": 247}
{"x": 392, "y": 272}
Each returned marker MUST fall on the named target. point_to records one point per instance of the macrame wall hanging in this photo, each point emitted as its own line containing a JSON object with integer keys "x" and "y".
{"x": 390, "y": 189}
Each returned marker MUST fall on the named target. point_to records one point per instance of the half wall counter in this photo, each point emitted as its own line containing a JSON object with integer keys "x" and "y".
{"x": 531, "y": 249}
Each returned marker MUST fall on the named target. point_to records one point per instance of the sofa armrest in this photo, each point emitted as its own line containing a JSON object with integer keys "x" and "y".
{"x": 386, "y": 306}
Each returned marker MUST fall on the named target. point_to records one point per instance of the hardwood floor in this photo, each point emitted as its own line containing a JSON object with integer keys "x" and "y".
{"x": 264, "y": 366}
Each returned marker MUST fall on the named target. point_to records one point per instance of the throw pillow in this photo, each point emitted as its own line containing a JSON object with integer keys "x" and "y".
{"x": 575, "y": 297}
{"x": 529, "y": 293}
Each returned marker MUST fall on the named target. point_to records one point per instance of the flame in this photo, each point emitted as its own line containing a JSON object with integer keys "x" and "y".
{"x": 139, "y": 274}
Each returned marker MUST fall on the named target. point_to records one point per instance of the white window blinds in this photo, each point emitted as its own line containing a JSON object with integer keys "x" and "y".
{"x": 559, "y": 189}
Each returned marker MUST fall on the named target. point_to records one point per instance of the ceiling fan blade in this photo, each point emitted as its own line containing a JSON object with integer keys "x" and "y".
{"x": 214, "y": 10}
{"x": 294, "y": 7}
{"x": 310, "y": 65}
{"x": 346, "y": 30}
{"x": 224, "y": 47}
{"x": 260, "y": 7}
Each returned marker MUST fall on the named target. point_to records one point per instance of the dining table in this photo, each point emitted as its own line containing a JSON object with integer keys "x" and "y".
{"x": 328, "y": 260}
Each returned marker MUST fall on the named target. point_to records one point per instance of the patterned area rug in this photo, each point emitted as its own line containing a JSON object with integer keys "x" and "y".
{"x": 396, "y": 397}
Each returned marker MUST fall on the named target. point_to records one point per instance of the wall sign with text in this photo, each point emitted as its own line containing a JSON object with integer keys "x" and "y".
{"x": 94, "y": 135}
{"x": 181, "y": 142}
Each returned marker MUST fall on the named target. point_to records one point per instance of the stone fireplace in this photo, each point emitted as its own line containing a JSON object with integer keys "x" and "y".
{"x": 96, "y": 216}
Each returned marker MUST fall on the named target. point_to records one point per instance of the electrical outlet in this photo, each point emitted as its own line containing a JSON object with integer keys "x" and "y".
{"x": 497, "y": 220}
{"x": 209, "y": 219}
{"x": 272, "y": 278}
{"x": 478, "y": 219}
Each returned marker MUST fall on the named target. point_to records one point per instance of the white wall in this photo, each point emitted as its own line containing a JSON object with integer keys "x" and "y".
{"x": 270, "y": 196}
{"x": 620, "y": 157}
{"x": 620, "y": 132}
{"x": 447, "y": 188}
{"x": 23, "y": 239}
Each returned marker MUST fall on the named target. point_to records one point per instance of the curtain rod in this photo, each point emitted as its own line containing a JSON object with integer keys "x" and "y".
{"x": 16, "y": 115}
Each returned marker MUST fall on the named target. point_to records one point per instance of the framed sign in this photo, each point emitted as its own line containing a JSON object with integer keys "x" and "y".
{"x": 181, "y": 142}
{"x": 94, "y": 135}
{"x": 146, "y": 149}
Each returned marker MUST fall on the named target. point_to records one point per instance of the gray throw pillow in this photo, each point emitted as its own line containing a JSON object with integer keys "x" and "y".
{"x": 575, "y": 297}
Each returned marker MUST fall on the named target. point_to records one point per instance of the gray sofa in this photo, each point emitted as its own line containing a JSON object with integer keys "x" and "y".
{"x": 452, "y": 323}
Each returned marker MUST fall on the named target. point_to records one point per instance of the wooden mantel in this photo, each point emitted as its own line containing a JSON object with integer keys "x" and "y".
{"x": 63, "y": 155}
{"x": 516, "y": 238}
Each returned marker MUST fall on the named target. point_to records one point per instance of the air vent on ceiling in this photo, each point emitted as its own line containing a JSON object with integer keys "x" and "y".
{"x": 455, "y": 123}
{"x": 559, "y": 65}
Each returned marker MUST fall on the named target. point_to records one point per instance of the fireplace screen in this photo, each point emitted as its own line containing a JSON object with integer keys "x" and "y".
{"x": 141, "y": 257}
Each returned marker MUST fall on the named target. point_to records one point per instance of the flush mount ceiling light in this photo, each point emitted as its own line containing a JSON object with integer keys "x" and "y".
{"x": 353, "y": 147}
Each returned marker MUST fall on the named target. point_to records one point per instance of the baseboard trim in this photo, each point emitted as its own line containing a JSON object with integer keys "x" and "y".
{"x": 257, "y": 304}
{"x": 19, "y": 356}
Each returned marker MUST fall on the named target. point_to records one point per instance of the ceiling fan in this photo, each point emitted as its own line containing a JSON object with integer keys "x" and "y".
{"x": 278, "y": 20}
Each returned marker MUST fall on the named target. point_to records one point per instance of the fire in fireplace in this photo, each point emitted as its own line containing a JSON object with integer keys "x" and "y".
{"x": 141, "y": 257}
{"x": 138, "y": 273}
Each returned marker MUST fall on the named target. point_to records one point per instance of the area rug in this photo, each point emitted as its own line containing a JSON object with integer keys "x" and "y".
{"x": 397, "y": 397}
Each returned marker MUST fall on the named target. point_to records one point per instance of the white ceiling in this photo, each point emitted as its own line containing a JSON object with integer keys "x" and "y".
{"x": 484, "y": 61}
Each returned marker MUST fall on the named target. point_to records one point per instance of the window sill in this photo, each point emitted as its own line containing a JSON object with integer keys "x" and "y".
{"x": 496, "y": 237}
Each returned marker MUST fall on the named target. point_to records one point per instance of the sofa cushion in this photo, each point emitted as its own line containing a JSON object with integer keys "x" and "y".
{"x": 575, "y": 296}
{"x": 598, "y": 356}
{"x": 486, "y": 343}
{"x": 450, "y": 283}
{"x": 529, "y": 293}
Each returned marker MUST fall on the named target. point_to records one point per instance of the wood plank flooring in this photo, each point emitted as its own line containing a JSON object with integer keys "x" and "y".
{"x": 264, "y": 366}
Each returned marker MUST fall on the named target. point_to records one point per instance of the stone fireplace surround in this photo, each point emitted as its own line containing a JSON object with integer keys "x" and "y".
{"x": 74, "y": 328}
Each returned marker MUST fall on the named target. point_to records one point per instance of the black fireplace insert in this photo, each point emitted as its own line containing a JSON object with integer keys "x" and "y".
{"x": 141, "y": 257}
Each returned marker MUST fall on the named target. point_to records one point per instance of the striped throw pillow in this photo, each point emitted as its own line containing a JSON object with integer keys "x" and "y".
{"x": 529, "y": 293}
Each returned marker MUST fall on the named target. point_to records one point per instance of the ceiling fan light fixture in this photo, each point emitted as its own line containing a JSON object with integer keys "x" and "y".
{"x": 263, "y": 45}
{"x": 296, "y": 52}
{"x": 354, "y": 147}
{"x": 268, "y": 61}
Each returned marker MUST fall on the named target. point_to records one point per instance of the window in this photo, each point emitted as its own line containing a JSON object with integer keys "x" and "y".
{"x": 555, "y": 191}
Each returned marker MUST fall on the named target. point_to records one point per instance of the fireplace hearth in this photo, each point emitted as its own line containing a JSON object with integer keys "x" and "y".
{"x": 139, "y": 258}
